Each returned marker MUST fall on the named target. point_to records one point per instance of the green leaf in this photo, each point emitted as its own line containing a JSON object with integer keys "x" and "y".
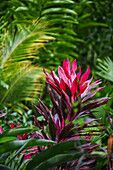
{"x": 5, "y": 85}
{"x": 3, "y": 167}
{"x": 90, "y": 24}
{"x": 17, "y": 131}
{"x": 60, "y": 20}
{"x": 40, "y": 118}
{"x": 51, "y": 152}
{"x": 56, "y": 2}
{"x": 58, "y": 16}
{"x": 19, "y": 151}
{"x": 6, "y": 139}
{"x": 106, "y": 69}
{"x": 16, "y": 144}
{"x": 59, "y": 10}
{"x": 18, "y": 71}
{"x": 63, "y": 30}
{"x": 57, "y": 160}
{"x": 21, "y": 8}
{"x": 99, "y": 153}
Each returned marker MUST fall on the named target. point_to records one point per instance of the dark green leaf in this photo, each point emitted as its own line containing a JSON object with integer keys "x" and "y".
{"x": 17, "y": 131}
{"x": 19, "y": 151}
{"x": 51, "y": 152}
{"x": 57, "y": 160}
{"x": 16, "y": 144}
{"x": 92, "y": 24}
{"x": 3, "y": 167}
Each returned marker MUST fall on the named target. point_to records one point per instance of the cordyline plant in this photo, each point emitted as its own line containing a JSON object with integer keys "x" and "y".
{"x": 72, "y": 98}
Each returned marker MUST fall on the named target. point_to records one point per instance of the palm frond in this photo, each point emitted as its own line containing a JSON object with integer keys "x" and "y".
{"x": 18, "y": 71}
{"x": 24, "y": 46}
{"x": 106, "y": 69}
{"x": 25, "y": 86}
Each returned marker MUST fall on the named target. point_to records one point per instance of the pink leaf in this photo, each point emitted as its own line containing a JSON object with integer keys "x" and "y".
{"x": 55, "y": 77}
{"x": 91, "y": 94}
{"x": 62, "y": 85}
{"x": 74, "y": 87}
{"x": 53, "y": 85}
{"x": 18, "y": 125}
{"x": 12, "y": 125}
{"x": 2, "y": 114}
{"x": 74, "y": 66}
{"x": 47, "y": 74}
{"x": 63, "y": 75}
{"x": 79, "y": 73}
{"x": 85, "y": 76}
{"x": 1, "y": 130}
{"x": 66, "y": 68}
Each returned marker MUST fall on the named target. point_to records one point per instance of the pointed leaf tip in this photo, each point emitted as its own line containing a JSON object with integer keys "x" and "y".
{"x": 74, "y": 66}
{"x": 85, "y": 76}
{"x": 12, "y": 125}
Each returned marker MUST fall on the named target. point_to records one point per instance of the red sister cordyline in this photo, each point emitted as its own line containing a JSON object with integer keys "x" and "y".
{"x": 72, "y": 98}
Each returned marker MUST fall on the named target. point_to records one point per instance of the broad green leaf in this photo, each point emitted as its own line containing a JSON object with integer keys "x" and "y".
{"x": 57, "y": 160}
{"x": 6, "y": 139}
{"x": 17, "y": 131}
{"x": 19, "y": 151}
{"x": 16, "y": 144}
{"x": 51, "y": 152}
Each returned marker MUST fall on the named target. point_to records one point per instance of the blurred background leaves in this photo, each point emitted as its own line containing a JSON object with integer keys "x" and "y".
{"x": 42, "y": 33}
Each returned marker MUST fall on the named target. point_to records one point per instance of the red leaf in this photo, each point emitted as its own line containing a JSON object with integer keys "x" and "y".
{"x": 55, "y": 77}
{"x": 85, "y": 76}
{"x": 63, "y": 75}
{"x": 66, "y": 68}
{"x": 12, "y": 125}
{"x": 74, "y": 66}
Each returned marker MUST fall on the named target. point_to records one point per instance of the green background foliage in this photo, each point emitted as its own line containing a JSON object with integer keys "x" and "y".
{"x": 37, "y": 34}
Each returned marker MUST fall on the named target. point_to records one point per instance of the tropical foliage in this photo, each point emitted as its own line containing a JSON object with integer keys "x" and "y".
{"x": 20, "y": 79}
{"x": 71, "y": 125}
{"x": 64, "y": 123}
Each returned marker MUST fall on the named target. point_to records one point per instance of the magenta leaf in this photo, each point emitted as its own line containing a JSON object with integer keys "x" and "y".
{"x": 3, "y": 114}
